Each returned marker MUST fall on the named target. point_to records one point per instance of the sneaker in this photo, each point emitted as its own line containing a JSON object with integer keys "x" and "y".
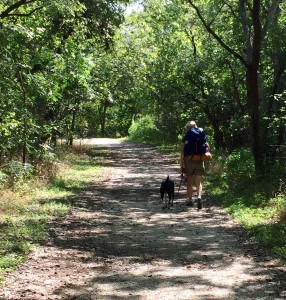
{"x": 189, "y": 203}
{"x": 199, "y": 203}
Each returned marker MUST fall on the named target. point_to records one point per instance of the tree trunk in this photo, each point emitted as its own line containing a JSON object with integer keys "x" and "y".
{"x": 253, "y": 100}
{"x": 72, "y": 128}
{"x": 218, "y": 134}
{"x": 254, "y": 34}
{"x": 252, "y": 82}
{"x": 102, "y": 117}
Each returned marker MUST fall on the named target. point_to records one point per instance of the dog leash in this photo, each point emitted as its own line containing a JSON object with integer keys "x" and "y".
{"x": 182, "y": 177}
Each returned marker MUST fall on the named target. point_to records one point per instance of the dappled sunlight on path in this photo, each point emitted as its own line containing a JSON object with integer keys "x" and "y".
{"x": 118, "y": 242}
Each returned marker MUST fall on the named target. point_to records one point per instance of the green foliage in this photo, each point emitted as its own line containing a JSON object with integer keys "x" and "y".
{"x": 58, "y": 79}
{"x": 272, "y": 236}
{"x": 66, "y": 72}
{"x": 15, "y": 174}
{"x": 239, "y": 169}
{"x": 3, "y": 178}
{"x": 51, "y": 54}
{"x": 277, "y": 120}
{"x": 23, "y": 219}
{"x": 280, "y": 251}
{"x": 9, "y": 262}
{"x": 143, "y": 130}
{"x": 258, "y": 203}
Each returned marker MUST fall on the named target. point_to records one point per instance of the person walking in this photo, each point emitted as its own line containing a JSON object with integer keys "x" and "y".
{"x": 193, "y": 143}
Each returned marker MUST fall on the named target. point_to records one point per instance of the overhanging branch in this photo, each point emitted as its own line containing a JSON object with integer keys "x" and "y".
{"x": 9, "y": 11}
{"x": 218, "y": 38}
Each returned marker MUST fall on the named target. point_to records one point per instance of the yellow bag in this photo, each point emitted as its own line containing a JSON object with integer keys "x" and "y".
{"x": 200, "y": 157}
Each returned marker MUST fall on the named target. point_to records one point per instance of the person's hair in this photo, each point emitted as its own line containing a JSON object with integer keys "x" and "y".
{"x": 190, "y": 124}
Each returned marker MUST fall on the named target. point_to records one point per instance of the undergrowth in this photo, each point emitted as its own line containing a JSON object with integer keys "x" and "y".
{"x": 257, "y": 203}
{"x": 144, "y": 130}
{"x": 27, "y": 207}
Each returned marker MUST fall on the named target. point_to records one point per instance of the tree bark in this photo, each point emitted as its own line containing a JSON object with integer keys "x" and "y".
{"x": 253, "y": 100}
{"x": 253, "y": 97}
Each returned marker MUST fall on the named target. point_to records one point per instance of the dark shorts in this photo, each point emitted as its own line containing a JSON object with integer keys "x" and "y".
{"x": 194, "y": 167}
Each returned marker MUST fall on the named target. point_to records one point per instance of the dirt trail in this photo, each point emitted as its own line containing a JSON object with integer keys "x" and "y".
{"x": 118, "y": 243}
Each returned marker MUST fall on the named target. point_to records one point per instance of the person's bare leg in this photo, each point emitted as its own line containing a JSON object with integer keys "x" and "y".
{"x": 190, "y": 189}
{"x": 199, "y": 186}
{"x": 199, "y": 190}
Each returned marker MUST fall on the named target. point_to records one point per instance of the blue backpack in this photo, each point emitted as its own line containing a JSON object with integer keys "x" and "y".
{"x": 195, "y": 141}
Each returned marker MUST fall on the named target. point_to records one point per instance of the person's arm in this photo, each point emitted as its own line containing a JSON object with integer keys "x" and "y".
{"x": 207, "y": 146}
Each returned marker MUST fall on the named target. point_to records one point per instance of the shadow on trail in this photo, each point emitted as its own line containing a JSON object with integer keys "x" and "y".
{"x": 132, "y": 245}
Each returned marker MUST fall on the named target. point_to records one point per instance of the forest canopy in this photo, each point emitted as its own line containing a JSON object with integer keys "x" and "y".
{"x": 91, "y": 68}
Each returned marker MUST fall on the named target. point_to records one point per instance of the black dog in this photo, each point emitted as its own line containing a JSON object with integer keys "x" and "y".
{"x": 167, "y": 188}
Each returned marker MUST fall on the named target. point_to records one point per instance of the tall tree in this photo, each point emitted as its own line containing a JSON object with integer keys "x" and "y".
{"x": 253, "y": 34}
{"x": 45, "y": 55}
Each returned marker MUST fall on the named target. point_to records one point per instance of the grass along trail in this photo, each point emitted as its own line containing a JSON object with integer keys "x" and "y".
{"x": 118, "y": 242}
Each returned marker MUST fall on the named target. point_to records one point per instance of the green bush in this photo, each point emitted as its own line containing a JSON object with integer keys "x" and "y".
{"x": 143, "y": 130}
{"x": 15, "y": 173}
{"x": 239, "y": 169}
{"x": 3, "y": 179}
{"x": 258, "y": 203}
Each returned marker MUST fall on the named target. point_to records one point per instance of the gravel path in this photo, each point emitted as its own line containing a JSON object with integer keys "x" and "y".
{"x": 118, "y": 243}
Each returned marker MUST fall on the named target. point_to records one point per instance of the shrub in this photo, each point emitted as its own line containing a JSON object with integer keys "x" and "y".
{"x": 239, "y": 169}
{"x": 143, "y": 130}
{"x": 3, "y": 179}
{"x": 15, "y": 173}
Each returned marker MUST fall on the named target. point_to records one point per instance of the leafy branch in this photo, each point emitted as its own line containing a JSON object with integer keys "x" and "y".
{"x": 10, "y": 11}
